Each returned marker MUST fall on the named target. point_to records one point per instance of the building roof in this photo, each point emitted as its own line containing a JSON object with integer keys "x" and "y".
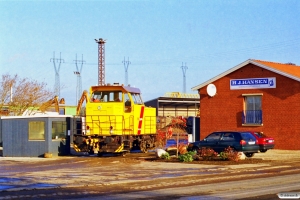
{"x": 181, "y": 95}
{"x": 176, "y": 99}
{"x": 169, "y": 101}
{"x": 289, "y": 70}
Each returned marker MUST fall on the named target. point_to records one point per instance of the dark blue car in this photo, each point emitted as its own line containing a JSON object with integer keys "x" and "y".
{"x": 240, "y": 141}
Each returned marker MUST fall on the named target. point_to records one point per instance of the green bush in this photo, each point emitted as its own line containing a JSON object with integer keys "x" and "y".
{"x": 165, "y": 156}
{"x": 187, "y": 157}
{"x": 230, "y": 154}
{"x": 223, "y": 155}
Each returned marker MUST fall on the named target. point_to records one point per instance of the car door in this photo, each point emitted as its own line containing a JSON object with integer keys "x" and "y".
{"x": 212, "y": 141}
{"x": 228, "y": 139}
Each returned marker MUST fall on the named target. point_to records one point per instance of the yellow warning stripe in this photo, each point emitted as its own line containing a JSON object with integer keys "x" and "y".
{"x": 120, "y": 148}
{"x": 76, "y": 148}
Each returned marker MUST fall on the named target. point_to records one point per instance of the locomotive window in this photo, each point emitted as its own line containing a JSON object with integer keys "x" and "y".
{"x": 127, "y": 99}
{"x": 96, "y": 96}
{"x": 116, "y": 96}
{"x": 137, "y": 98}
{"x": 107, "y": 96}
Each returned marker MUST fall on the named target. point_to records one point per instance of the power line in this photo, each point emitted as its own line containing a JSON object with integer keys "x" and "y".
{"x": 57, "y": 79}
{"x": 226, "y": 53}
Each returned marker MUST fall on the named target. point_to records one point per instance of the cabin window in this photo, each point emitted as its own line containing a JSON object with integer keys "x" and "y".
{"x": 127, "y": 102}
{"x": 137, "y": 98}
{"x": 107, "y": 96}
{"x": 36, "y": 130}
{"x": 59, "y": 130}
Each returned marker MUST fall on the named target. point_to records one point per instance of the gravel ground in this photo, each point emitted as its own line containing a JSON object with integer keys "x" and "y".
{"x": 276, "y": 154}
{"x": 78, "y": 175}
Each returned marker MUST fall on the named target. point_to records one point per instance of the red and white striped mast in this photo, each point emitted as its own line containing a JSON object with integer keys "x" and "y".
{"x": 101, "y": 61}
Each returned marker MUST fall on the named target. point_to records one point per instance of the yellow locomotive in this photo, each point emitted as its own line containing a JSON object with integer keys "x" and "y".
{"x": 115, "y": 119}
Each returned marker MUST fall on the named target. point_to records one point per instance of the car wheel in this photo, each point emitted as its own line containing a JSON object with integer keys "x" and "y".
{"x": 249, "y": 155}
{"x": 263, "y": 150}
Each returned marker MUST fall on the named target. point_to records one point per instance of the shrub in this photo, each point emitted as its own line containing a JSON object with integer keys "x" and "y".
{"x": 230, "y": 154}
{"x": 223, "y": 155}
{"x": 207, "y": 153}
{"x": 161, "y": 137}
{"x": 165, "y": 156}
{"x": 187, "y": 157}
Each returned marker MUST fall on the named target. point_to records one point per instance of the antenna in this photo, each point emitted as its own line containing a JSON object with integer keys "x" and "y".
{"x": 184, "y": 68}
{"x": 78, "y": 74}
{"x": 57, "y": 81}
{"x": 126, "y": 63}
{"x": 101, "y": 61}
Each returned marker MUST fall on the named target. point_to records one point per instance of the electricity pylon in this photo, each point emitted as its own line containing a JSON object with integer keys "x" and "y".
{"x": 57, "y": 79}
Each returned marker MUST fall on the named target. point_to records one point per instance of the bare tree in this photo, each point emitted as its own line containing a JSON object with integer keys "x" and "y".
{"x": 18, "y": 94}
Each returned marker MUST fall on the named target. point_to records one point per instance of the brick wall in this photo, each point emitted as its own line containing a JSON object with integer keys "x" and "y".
{"x": 280, "y": 107}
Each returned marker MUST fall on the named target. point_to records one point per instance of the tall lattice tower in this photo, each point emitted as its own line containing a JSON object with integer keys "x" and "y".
{"x": 101, "y": 61}
{"x": 184, "y": 68}
{"x": 57, "y": 79}
{"x": 126, "y": 63}
{"x": 78, "y": 74}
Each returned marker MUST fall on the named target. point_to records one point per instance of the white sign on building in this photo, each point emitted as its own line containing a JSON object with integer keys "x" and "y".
{"x": 252, "y": 83}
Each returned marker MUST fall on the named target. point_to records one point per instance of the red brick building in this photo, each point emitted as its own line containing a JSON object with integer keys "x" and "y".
{"x": 254, "y": 95}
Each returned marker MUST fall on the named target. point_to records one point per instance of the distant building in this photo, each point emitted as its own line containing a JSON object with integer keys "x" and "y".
{"x": 35, "y": 136}
{"x": 254, "y": 95}
{"x": 64, "y": 109}
{"x": 176, "y": 104}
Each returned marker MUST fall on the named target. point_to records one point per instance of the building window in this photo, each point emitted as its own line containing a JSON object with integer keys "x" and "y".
{"x": 62, "y": 111}
{"x": 59, "y": 130}
{"x": 252, "y": 113}
{"x": 36, "y": 130}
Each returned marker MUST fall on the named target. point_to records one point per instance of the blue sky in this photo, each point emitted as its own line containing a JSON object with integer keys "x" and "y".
{"x": 157, "y": 36}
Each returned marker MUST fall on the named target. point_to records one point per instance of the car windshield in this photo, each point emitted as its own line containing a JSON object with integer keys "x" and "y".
{"x": 247, "y": 136}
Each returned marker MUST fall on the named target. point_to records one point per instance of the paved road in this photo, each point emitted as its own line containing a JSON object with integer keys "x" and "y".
{"x": 224, "y": 190}
{"x": 131, "y": 178}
